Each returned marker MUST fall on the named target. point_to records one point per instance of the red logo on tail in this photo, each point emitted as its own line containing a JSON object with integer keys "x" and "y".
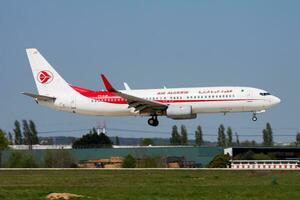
{"x": 45, "y": 77}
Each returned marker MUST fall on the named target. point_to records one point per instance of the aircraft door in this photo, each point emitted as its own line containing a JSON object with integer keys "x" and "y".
{"x": 249, "y": 94}
{"x": 73, "y": 104}
{"x": 248, "y": 105}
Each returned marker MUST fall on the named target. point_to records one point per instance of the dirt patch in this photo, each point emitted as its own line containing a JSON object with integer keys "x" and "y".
{"x": 261, "y": 173}
{"x": 63, "y": 196}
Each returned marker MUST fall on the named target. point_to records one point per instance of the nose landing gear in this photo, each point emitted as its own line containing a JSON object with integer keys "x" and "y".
{"x": 153, "y": 121}
{"x": 254, "y": 118}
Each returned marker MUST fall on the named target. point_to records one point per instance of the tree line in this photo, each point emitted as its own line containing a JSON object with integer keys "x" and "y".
{"x": 226, "y": 138}
{"x": 25, "y": 132}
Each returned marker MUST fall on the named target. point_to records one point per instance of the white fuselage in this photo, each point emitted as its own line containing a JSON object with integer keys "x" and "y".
{"x": 202, "y": 100}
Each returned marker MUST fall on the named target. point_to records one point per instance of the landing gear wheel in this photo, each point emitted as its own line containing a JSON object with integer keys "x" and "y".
{"x": 153, "y": 121}
{"x": 156, "y": 122}
{"x": 254, "y": 118}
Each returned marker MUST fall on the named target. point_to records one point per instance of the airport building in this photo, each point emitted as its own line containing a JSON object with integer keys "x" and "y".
{"x": 265, "y": 164}
{"x": 191, "y": 155}
{"x": 281, "y": 153}
{"x": 285, "y": 158}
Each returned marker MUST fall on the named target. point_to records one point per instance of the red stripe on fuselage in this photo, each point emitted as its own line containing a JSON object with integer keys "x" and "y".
{"x": 102, "y": 96}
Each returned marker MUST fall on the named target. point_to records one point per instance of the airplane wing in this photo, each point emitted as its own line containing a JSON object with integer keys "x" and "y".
{"x": 140, "y": 104}
{"x": 39, "y": 97}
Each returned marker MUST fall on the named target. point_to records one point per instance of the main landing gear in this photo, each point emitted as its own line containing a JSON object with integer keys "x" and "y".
{"x": 153, "y": 121}
{"x": 254, "y": 118}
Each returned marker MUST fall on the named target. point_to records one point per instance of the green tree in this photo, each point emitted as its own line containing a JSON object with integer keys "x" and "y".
{"x": 3, "y": 140}
{"x": 298, "y": 139}
{"x": 229, "y": 137}
{"x": 15, "y": 160}
{"x": 248, "y": 155}
{"x": 3, "y": 144}
{"x": 175, "y": 138}
{"x": 29, "y": 162}
{"x": 93, "y": 140}
{"x": 10, "y": 138}
{"x": 150, "y": 162}
{"x": 221, "y": 136}
{"x": 33, "y": 131}
{"x": 147, "y": 142}
{"x": 248, "y": 143}
{"x": 18, "y": 159}
{"x": 261, "y": 156}
{"x": 268, "y": 135}
{"x": 184, "y": 135}
{"x": 237, "y": 139}
{"x": 220, "y": 161}
{"x": 117, "y": 140}
{"x": 199, "y": 136}
{"x": 59, "y": 159}
{"x": 27, "y": 134}
{"x": 18, "y": 133}
{"x": 265, "y": 138}
{"x": 129, "y": 162}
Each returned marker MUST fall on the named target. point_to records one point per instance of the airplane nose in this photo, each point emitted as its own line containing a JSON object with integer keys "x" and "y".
{"x": 276, "y": 100}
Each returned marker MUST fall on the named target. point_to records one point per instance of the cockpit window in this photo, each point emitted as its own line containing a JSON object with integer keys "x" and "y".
{"x": 264, "y": 94}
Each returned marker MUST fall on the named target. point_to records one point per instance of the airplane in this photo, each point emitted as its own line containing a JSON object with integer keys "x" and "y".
{"x": 175, "y": 103}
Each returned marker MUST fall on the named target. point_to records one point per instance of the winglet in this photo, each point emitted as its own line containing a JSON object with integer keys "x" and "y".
{"x": 107, "y": 84}
{"x": 126, "y": 86}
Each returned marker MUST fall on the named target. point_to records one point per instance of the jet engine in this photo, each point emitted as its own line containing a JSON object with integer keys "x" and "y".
{"x": 180, "y": 112}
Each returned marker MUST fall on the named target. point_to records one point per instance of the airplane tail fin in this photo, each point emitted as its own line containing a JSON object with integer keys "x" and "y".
{"x": 47, "y": 80}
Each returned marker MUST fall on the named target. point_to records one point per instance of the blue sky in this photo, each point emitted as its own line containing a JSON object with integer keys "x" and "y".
{"x": 150, "y": 44}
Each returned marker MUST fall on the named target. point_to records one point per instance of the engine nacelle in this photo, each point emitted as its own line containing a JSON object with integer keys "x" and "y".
{"x": 180, "y": 112}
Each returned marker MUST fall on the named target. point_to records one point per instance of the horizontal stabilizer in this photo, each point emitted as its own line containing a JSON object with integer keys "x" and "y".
{"x": 39, "y": 97}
